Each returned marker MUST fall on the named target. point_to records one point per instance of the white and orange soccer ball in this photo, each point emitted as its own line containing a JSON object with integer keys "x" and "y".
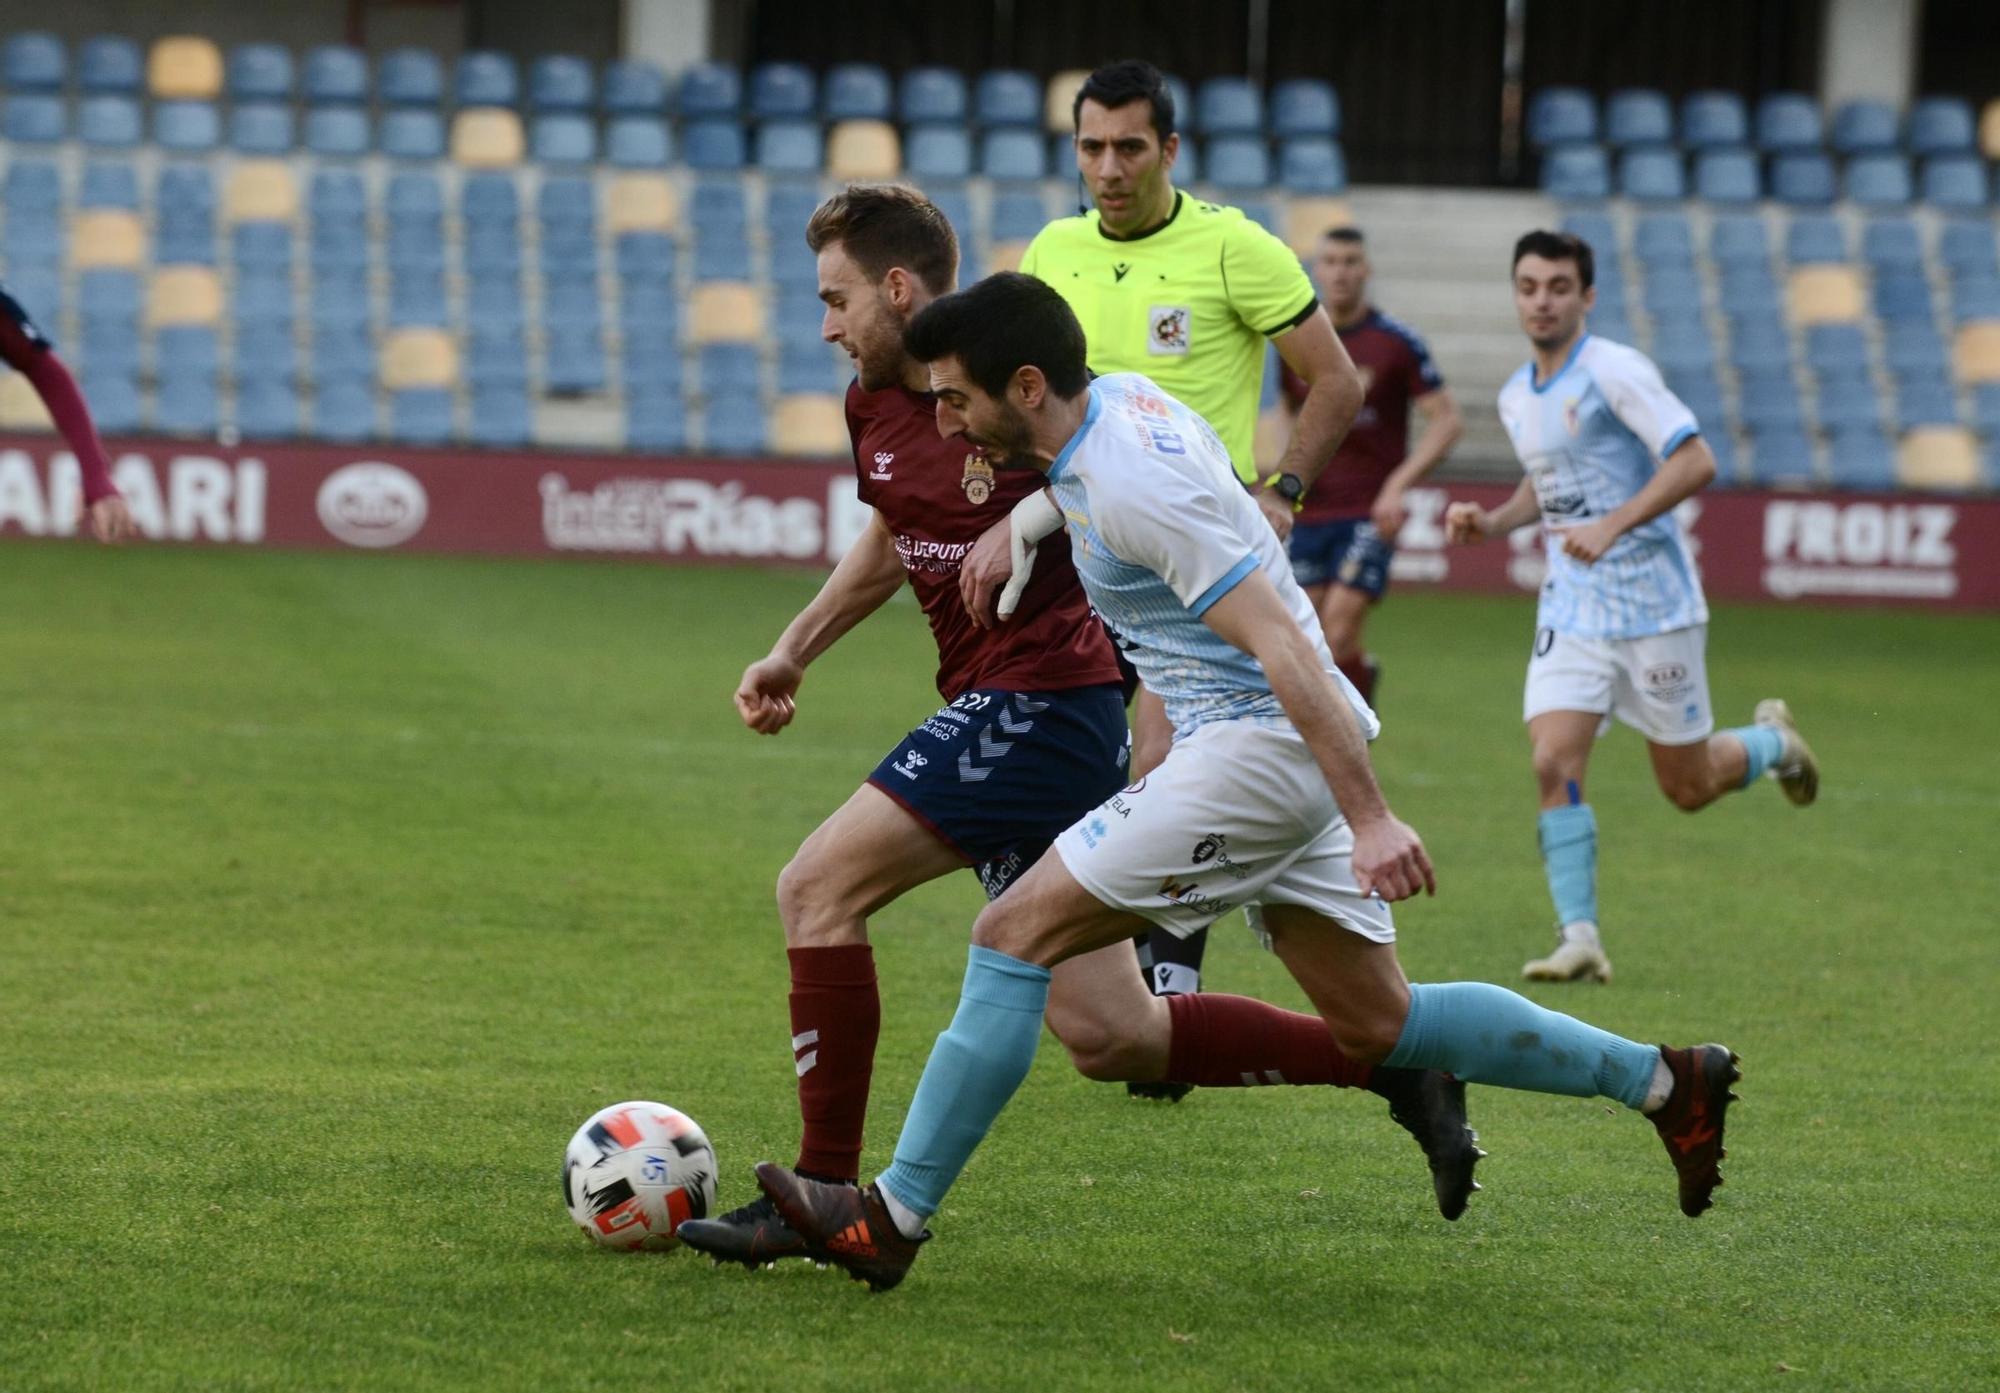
{"x": 634, "y": 1172}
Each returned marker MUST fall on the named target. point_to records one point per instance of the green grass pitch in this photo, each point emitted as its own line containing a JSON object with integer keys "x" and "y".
{"x": 336, "y": 890}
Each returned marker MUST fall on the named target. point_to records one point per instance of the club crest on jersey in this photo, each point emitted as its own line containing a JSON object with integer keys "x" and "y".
{"x": 978, "y": 480}
{"x": 1167, "y": 329}
{"x": 1572, "y": 417}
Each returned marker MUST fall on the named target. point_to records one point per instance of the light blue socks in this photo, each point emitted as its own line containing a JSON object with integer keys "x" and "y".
{"x": 973, "y": 1070}
{"x": 1569, "y": 855}
{"x": 1487, "y": 1034}
{"x": 1763, "y": 746}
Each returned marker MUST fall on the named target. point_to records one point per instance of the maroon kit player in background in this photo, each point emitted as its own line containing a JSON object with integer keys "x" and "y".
{"x": 1032, "y": 737}
{"x": 28, "y": 351}
{"x": 1345, "y": 535}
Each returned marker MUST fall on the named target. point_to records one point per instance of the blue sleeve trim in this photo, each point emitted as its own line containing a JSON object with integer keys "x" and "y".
{"x": 1230, "y": 579}
{"x": 1678, "y": 439}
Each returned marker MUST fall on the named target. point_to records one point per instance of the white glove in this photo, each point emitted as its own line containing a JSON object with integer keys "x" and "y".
{"x": 1033, "y": 518}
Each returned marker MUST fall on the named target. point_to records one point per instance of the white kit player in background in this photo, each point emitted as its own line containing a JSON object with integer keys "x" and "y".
{"x": 1622, "y": 626}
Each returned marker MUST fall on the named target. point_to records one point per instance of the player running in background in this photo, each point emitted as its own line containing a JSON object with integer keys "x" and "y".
{"x": 1266, "y": 799}
{"x": 1345, "y": 535}
{"x": 1188, "y": 293}
{"x": 1032, "y": 736}
{"x": 1621, "y": 627}
{"x": 28, "y": 351}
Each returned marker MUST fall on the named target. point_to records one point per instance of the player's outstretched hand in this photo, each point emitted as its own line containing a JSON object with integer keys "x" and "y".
{"x": 110, "y": 519}
{"x": 1465, "y": 522}
{"x": 1389, "y": 513}
{"x": 1390, "y": 860}
{"x": 1589, "y": 542}
{"x": 1277, "y": 512}
{"x": 764, "y": 698}
{"x": 986, "y": 568}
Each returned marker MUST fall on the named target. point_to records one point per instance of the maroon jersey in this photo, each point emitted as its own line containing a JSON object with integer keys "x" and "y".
{"x": 937, "y": 497}
{"x": 1396, "y": 369}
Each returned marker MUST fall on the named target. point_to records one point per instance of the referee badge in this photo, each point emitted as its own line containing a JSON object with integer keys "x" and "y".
{"x": 1167, "y": 329}
{"x": 978, "y": 480}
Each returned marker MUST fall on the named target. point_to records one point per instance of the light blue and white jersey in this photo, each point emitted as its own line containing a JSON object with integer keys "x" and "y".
{"x": 1160, "y": 529}
{"x": 1590, "y": 438}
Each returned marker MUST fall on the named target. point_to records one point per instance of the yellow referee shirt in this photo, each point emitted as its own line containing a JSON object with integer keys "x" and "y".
{"x": 1188, "y": 304}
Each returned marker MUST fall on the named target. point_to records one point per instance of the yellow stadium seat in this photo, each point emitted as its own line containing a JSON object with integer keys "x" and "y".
{"x": 1006, "y": 256}
{"x": 863, "y": 150}
{"x": 20, "y": 406}
{"x": 184, "y": 295}
{"x": 419, "y": 358}
{"x": 486, "y": 137}
{"x": 1307, "y": 220}
{"x": 1059, "y": 107}
{"x": 107, "y": 237}
{"x": 1989, "y": 129}
{"x": 260, "y": 191}
{"x": 184, "y": 66}
{"x": 1826, "y": 295}
{"x": 1938, "y": 457}
{"x": 1976, "y": 355}
{"x": 641, "y": 203}
{"x": 727, "y": 312}
{"x": 810, "y": 423}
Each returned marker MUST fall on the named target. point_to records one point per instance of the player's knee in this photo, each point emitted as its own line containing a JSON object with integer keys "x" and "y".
{"x": 1097, "y": 1048}
{"x": 812, "y": 904}
{"x": 1553, "y": 768}
{"x": 1000, "y": 930}
{"x": 1688, "y": 793}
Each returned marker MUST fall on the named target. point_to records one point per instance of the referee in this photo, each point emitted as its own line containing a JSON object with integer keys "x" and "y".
{"x": 1187, "y": 293}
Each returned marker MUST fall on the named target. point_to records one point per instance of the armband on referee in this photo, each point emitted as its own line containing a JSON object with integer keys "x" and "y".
{"x": 1289, "y": 487}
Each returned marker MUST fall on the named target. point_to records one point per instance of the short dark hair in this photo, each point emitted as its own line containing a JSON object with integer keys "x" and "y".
{"x": 1124, "y": 82}
{"x": 1558, "y": 246}
{"x": 882, "y": 226}
{"x": 999, "y": 326}
{"x": 1346, "y": 232}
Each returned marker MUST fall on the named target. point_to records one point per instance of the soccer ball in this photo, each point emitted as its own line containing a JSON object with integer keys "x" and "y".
{"x": 634, "y": 1172}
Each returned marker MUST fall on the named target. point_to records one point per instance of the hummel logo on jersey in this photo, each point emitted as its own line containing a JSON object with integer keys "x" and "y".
{"x": 883, "y": 459}
{"x": 1119, "y": 270}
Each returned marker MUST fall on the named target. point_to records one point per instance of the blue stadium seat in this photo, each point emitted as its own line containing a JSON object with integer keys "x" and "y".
{"x": 1238, "y": 162}
{"x": 938, "y": 152}
{"x": 1836, "y": 348}
{"x": 1941, "y": 126}
{"x": 485, "y": 77}
{"x": 573, "y": 358}
{"x": 267, "y": 408}
{"x": 1739, "y": 239}
{"x": 1814, "y": 238}
{"x": 114, "y": 399}
{"x": 1860, "y": 458}
{"x": 1727, "y": 176}
{"x": 412, "y": 134}
{"x": 1769, "y": 400}
{"x": 343, "y": 409}
{"x": 733, "y": 424}
{"x": 1576, "y": 172}
{"x": 416, "y": 299}
{"x": 783, "y": 92}
{"x": 1304, "y": 106}
{"x": 1668, "y": 288}
{"x": 261, "y": 128}
{"x": 336, "y": 195}
{"x": 1969, "y": 246}
{"x": 719, "y": 206}
{"x": 336, "y": 75}
{"x": 856, "y": 91}
{"x": 108, "y": 184}
{"x": 810, "y": 367}
{"x": 1652, "y": 174}
{"x": 783, "y": 147}
{"x": 1789, "y": 122}
{"x": 261, "y": 246}
{"x": 1597, "y": 229}
{"x": 340, "y": 306}
{"x": 421, "y": 415}
{"x": 1803, "y": 180}
{"x": 650, "y": 304}
{"x": 1986, "y": 409}
{"x": 496, "y": 355}
{"x": 1891, "y": 242}
{"x": 729, "y": 367}
{"x": 343, "y": 348}
{"x": 637, "y": 142}
{"x": 1879, "y": 181}
{"x": 186, "y": 405}
{"x": 654, "y": 420}
{"x": 1914, "y": 349}
{"x": 500, "y": 416}
{"x": 712, "y": 144}
{"x": 1702, "y": 395}
{"x": 189, "y": 126}
{"x": 409, "y": 77}
{"x": 930, "y": 94}
{"x": 108, "y": 121}
{"x": 260, "y": 72}
{"x": 1714, "y": 121}
{"x": 633, "y": 87}
{"x": 1011, "y": 156}
{"x": 1954, "y": 181}
{"x": 337, "y": 130}
{"x": 561, "y": 82}
{"x": 572, "y": 300}
{"x": 1683, "y": 347}
{"x": 710, "y": 90}
{"x": 956, "y": 206}
{"x": 493, "y": 298}
{"x": 797, "y": 314}
{"x": 1782, "y": 458}
{"x": 1925, "y": 402}
{"x": 563, "y": 137}
{"x": 33, "y": 119}
{"x": 1312, "y": 165}
{"x": 490, "y": 198}
{"x": 1638, "y": 116}
{"x": 105, "y": 294}
{"x": 1664, "y": 239}
{"x": 1188, "y": 165}
{"x": 786, "y": 208}
{"x": 1748, "y": 291}
{"x": 567, "y": 201}
{"x": 30, "y": 185}
{"x": 721, "y": 259}
{"x": 1018, "y": 216}
{"x": 33, "y": 62}
{"x": 1863, "y": 127}
{"x": 38, "y": 288}
{"x": 1007, "y": 97}
{"x": 1973, "y": 299}
{"x": 1901, "y": 296}
{"x": 108, "y": 63}
{"x": 1561, "y": 116}
{"x": 793, "y": 263}
{"x": 266, "y": 351}
{"x": 1229, "y": 106}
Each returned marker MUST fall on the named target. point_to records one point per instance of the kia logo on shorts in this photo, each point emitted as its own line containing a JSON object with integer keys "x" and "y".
{"x": 1666, "y": 675}
{"x": 372, "y": 505}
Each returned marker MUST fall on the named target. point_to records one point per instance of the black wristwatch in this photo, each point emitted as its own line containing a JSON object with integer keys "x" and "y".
{"x": 1289, "y": 487}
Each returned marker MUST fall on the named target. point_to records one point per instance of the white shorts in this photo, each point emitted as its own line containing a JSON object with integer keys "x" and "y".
{"x": 1238, "y": 815}
{"x": 1658, "y": 685}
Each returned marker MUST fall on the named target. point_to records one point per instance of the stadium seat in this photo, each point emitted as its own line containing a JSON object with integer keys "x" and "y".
{"x": 343, "y": 409}
{"x": 1007, "y": 97}
{"x": 336, "y": 75}
{"x": 1839, "y": 348}
{"x": 1954, "y": 181}
{"x": 337, "y": 130}
{"x": 721, "y": 258}
{"x": 107, "y": 237}
{"x": 564, "y": 137}
{"x": 721, "y": 312}
{"x": 654, "y": 420}
{"x": 1969, "y": 246}
{"x": 33, "y": 119}
{"x": 1304, "y": 107}
{"x": 186, "y": 404}
{"x": 1940, "y": 457}
{"x": 186, "y": 126}
{"x": 493, "y": 299}
{"x": 33, "y": 62}
{"x": 1059, "y": 101}
{"x": 1714, "y": 121}
{"x": 108, "y": 185}
{"x": 261, "y": 128}
{"x": 1561, "y": 116}
{"x": 927, "y": 94}
{"x": 1940, "y": 126}
{"x": 856, "y": 92}
{"x": 266, "y": 351}
{"x": 1974, "y": 300}
{"x": 491, "y": 198}
{"x": 412, "y": 133}
{"x": 1914, "y": 350}
{"x": 1238, "y": 162}
{"x": 571, "y": 299}
{"x": 1018, "y": 216}
{"x": 1986, "y": 409}
{"x": 1576, "y": 172}
{"x": 267, "y": 408}
{"x": 1769, "y": 400}
{"x": 1802, "y": 179}
{"x": 109, "y": 122}
{"x": 637, "y": 142}
{"x": 640, "y": 203}
{"x": 1976, "y": 352}
{"x": 1782, "y": 458}
{"x": 260, "y": 190}
{"x": 501, "y": 417}
{"x": 718, "y": 204}
{"x": 183, "y": 295}
{"x": 633, "y": 87}
{"x": 863, "y": 150}
{"x": 1878, "y": 181}
{"x": 1901, "y": 296}
{"x": 261, "y": 251}
{"x": 807, "y": 365}
{"x": 1670, "y": 288}
{"x": 733, "y": 424}
{"x": 486, "y": 138}
{"x": 1726, "y": 175}
{"x": 573, "y": 359}
{"x": 1664, "y": 239}
{"x": 788, "y": 147}
{"x": 1652, "y": 175}
{"x": 1311, "y": 165}
{"x": 1847, "y": 402}
{"x": 1683, "y": 346}
{"x": 1892, "y": 243}
{"x": 184, "y": 67}
{"x": 1863, "y": 128}
{"x": 561, "y": 82}
{"x": 415, "y": 194}
{"x": 938, "y": 153}
{"x": 1638, "y": 116}
{"x": 1825, "y": 295}
{"x": 410, "y": 77}
{"x": 484, "y": 77}
{"x": 496, "y": 355}
{"x": 712, "y": 144}
{"x": 1813, "y": 238}
{"x": 20, "y": 407}
{"x": 421, "y": 415}
{"x": 710, "y": 90}
{"x": 1925, "y": 402}
{"x": 1789, "y": 122}
{"x": 259, "y": 72}
{"x": 812, "y": 424}
{"x": 419, "y": 358}
{"x": 783, "y": 92}
{"x": 1229, "y": 106}
{"x": 114, "y": 399}
{"x": 1739, "y": 239}
{"x": 110, "y": 64}
{"x": 1860, "y": 458}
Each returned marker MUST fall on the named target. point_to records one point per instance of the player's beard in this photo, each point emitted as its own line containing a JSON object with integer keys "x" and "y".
{"x": 879, "y": 360}
{"x": 1007, "y": 443}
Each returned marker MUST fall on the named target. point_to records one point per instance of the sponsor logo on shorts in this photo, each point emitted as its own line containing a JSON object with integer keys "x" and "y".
{"x": 909, "y": 765}
{"x": 1093, "y": 832}
{"x": 1210, "y": 849}
{"x": 1117, "y": 804}
{"x": 1189, "y": 894}
{"x": 996, "y": 875}
{"x": 1692, "y": 714}
{"x": 1667, "y": 681}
